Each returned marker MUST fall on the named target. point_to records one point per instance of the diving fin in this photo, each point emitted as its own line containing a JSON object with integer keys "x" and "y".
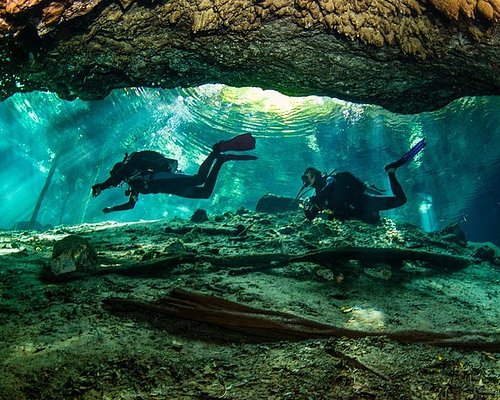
{"x": 242, "y": 142}
{"x": 410, "y": 155}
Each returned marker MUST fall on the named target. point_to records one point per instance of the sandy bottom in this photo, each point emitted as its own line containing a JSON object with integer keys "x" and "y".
{"x": 58, "y": 342}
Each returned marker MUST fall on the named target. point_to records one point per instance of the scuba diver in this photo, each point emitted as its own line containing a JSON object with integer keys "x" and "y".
{"x": 343, "y": 196}
{"x": 150, "y": 172}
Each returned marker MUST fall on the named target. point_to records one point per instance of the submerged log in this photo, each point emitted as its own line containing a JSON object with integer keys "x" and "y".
{"x": 266, "y": 261}
{"x": 385, "y": 255}
{"x": 284, "y": 326}
{"x": 262, "y": 261}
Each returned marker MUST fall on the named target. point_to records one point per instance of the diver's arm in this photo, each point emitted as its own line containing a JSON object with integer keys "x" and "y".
{"x": 125, "y": 206}
{"x": 318, "y": 202}
{"x": 312, "y": 211}
{"x": 111, "y": 181}
{"x": 99, "y": 187}
{"x": 311, "y": 208}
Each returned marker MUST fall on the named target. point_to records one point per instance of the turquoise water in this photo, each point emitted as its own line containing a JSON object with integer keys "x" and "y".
{"x": 455, "y": 179}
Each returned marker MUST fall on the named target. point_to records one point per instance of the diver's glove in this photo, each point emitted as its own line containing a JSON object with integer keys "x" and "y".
{"x": 311, "y": 209}
{"x": 303, "y": 203}
{"x": 307, "y": 202}
{"x": 96, "y": 190}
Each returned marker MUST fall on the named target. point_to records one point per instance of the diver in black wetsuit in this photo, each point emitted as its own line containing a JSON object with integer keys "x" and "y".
{"x": 346, "y": 197}
{"x": 148, "y": 172}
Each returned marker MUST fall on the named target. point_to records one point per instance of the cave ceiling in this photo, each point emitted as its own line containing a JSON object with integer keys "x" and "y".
{"x": 408, "y": 56}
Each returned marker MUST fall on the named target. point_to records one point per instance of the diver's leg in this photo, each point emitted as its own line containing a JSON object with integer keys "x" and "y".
{"x": 380, "y": 203}
{"x": 204, "y": 169}
{"x": 205, "y": 191}
{"x": 399, "y": 194}
{"x": 182, "y": 182}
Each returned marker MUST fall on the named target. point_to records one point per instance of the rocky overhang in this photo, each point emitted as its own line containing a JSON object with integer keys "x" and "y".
{"x": 408, "y": 56}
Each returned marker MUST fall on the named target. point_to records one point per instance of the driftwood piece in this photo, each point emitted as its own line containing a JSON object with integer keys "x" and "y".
{"x": 385, "y": 255}
{"x": 265, "y": 261}
{"x": 283, "y": 326}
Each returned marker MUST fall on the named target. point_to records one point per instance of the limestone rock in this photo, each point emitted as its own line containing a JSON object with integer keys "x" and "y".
{"x": 453, "y": 233}
{"x": 409, "y": 56}
{"x": 72, "y": 254}
{"x": 273, "y": 204}
{"x": 199, "y": 216}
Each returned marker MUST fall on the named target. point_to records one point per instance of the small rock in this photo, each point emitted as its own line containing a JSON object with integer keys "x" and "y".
{"x": 242, "y": 211}
{"x": 379, "y": 271}
{"x": 200, "y": 215}
{"x": 177, "y": 246}
{"x": 453, "y": 233}
{"x": 486, "y": 253}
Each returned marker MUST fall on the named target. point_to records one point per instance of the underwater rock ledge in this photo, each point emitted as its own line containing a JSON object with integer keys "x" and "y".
{"x": 407, "y": 57}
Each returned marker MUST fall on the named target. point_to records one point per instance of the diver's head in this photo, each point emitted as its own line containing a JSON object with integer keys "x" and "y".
{"x": 311, "y": 176}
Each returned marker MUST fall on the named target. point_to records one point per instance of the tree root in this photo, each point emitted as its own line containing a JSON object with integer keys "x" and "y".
{"x": 283, "y": 326}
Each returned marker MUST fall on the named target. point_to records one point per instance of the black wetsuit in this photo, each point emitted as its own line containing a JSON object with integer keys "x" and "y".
{"x": 345, "y": 205}
{"x": 140, "y": 180}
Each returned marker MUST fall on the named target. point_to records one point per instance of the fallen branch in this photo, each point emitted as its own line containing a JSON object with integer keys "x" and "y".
{"x": 266, "y": 261}
{"x": 385, "y": 255}
{"x": 283, "y": 326}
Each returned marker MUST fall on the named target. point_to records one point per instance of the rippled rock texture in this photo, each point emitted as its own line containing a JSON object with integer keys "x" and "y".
{"x": 406, "y": 55}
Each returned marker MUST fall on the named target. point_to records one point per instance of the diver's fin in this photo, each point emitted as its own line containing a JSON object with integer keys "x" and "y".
{"x": 241, "y": 157}
{"x": 239, "y": 143}
{"x": 410, "y": 155}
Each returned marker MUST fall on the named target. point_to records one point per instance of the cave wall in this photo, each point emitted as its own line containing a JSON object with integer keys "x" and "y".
{"x": 406, "y": 55}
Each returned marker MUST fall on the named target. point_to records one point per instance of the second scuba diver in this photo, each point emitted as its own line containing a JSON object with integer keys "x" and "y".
{"x": 343, "y": 196}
